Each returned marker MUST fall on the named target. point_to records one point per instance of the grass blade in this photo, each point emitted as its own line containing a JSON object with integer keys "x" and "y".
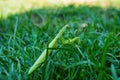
{"x": 114, "y": 72}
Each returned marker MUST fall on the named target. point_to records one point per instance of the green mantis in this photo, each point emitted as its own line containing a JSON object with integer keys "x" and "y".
{"x": 52, "y": 44}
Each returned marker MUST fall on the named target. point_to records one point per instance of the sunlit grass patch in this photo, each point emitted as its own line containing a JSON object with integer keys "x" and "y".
{"x": 8, "y": 7}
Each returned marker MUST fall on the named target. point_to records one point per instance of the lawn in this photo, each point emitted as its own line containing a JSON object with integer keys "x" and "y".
{"x": 27, "y": 31}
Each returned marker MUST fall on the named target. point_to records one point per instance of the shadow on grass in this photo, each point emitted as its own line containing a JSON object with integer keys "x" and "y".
{"x": 24, "y": 36}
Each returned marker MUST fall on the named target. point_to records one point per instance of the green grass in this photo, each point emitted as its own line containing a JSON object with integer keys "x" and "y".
{"x": 22, "y": 40}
